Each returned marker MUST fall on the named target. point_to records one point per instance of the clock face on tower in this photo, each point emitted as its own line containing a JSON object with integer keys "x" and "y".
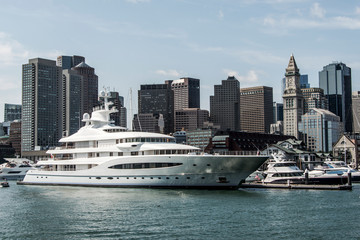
{"x": 290, "y": 82}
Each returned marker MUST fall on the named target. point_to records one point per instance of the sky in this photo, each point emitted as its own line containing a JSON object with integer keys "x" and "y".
{"x": 134, "y": 42}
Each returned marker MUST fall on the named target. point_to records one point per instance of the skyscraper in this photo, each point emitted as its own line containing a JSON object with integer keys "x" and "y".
{"x": 41, "y": 120}
{"x": 186, "y": 93}
{"x": 71, "y": 101}
{"x": 225, "y": 104}
{"x": 89, "y": 87}
{"x": 158, "y": 99}
{"x": 335, "y": 79}
{"x": 256, "y": 110}
{"x": 189, "y": 119}
{"x": 293, "y": 100}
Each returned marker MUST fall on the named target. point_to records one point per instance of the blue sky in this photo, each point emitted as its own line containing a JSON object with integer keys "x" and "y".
{"x": 134, "y": 42}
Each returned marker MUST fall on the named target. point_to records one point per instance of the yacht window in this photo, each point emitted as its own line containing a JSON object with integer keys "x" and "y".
{"x": 110, "y": 178}
{"x": 134, "y": 153}
{"x": 142, "y": 139}
{"x": 120, "y": 153}
{"x": 144, "y": 165}
{"x": 111, "y": 154}
{"x": 98, "y": 177}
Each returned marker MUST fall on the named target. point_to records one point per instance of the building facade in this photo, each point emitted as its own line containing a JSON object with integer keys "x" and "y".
{"x": 68, "y": 62}
{"x": 278, "y": 112}
{"x": 321, "y": 129}
{"x": 71, "y": 101}
{"x": 256, "y": 109}
{"x": 41, "y": 108}
{"x": 335, "y": 79}
{"x": 148, "y": 122}
{"x": 314, "y": 98}
{"x": 189, "y": 119}
{"x": 225, "y": 104}
{"x": 89, "y": 87}
{"x": 293, "y": 100}
{"x": 12, "y": 112}
{"x": 158, "y": 99}
{"x": 186, "y": 93}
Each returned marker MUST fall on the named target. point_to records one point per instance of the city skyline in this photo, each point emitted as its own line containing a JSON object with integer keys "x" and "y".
{"x": 136, "y": 42}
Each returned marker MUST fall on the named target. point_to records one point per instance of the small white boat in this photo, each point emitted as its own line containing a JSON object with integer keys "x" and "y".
{"x": 15, "y": 169}
{"x": 283, "y": 170}
{"x": 341, "y": 166}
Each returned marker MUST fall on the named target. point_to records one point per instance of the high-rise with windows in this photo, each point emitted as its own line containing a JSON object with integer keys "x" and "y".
{"x": 89, "y": 87}
{"x": 186, "y": 93}
{"x": 68, "y": 62}
{"x": 157, "y": 99}
{"x": 293, "y": 100}
{"x": 41, "y": 108}
{"x": 225, "y": 104}
{"x": 71, "y": 101}
{"x": 335, "y": 79}
{"x": 256, "y": 110}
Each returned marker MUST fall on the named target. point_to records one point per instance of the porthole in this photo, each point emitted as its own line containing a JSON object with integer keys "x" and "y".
{"x": 159, "y": 177}
{"x": 89, "y": 177}
{"x": 127, "y": 177}
{"x": 98, "y": 177}
{"x": 187, "y": 177}
{"x": 176, "y": 178}
{"x": 194, "y": 165}
{"x": 151, "y": 178}
{"x": 167, "y": 178}
{"x": 142, "y": 178}
{"x": 202, "y": 177}
{"x": 110, "y": 178}
{"x": 208, "y": 165}
{"x": 134, "y": 177}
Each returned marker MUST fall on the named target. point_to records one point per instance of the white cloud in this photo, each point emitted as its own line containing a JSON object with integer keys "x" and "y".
{"x": 168, "y": 73}
{"x": 250, "y": 77}
{"x": 8, "y": 83}
{"x": 317, "y": 11}
{"x": 11, "y": 51}
{"x": 357, "y": 10}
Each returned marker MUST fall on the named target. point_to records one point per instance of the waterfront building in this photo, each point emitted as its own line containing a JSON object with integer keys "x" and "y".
{"x": 293, "y": 100}
{"x": 225, "y": 104}
{"x": 158, "y": 99}
{"x": 89, "y": 87}
{"x": 186, "y": 93}
{"x": 180, "y": 137}
{"x": 347, "y": 149}
{"x": 41, "y": 119}
{"x": 314, "y": 98}
{"x": 278, "y": 112}
{"x": 335, "y": 79}
{"x": 256, "y": 110}
{"x": 321, "y": 129}
{"x": 356, "y": 111}
{"x": 12, "y": 112}
{"x": 68, "y": 62}
{"x": 71, "y": 101}
{"x": 189, "y": 119}
{"x": 148, "y": 122}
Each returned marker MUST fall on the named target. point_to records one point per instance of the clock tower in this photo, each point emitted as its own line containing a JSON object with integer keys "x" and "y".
{"x": 293, "y": 100}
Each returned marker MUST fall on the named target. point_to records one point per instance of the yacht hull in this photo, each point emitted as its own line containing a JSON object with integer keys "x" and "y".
{"x": 190, "y": 171}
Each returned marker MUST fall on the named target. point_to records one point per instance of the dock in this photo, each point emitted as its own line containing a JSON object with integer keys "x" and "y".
{"x": 296, "y": 186}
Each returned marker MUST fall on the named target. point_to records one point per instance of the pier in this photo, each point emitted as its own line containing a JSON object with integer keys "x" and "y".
{"x": 296, "y": 186}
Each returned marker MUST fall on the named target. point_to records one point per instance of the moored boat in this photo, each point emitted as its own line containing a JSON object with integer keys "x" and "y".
{"x": 101, "y": 154}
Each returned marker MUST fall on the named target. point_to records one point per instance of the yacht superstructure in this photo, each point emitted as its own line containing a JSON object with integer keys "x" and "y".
{"x": 101, "y": 154}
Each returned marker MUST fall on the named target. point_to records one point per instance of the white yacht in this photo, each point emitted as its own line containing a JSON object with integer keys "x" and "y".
{"x": 14, "y": 169}
{"x": 282, "y": 170}
{"x": 101, "y": 154}
{"x": 341, "y": 166}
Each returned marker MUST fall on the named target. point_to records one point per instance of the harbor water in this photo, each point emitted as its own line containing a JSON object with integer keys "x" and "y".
{"x": 56, "y": 212}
